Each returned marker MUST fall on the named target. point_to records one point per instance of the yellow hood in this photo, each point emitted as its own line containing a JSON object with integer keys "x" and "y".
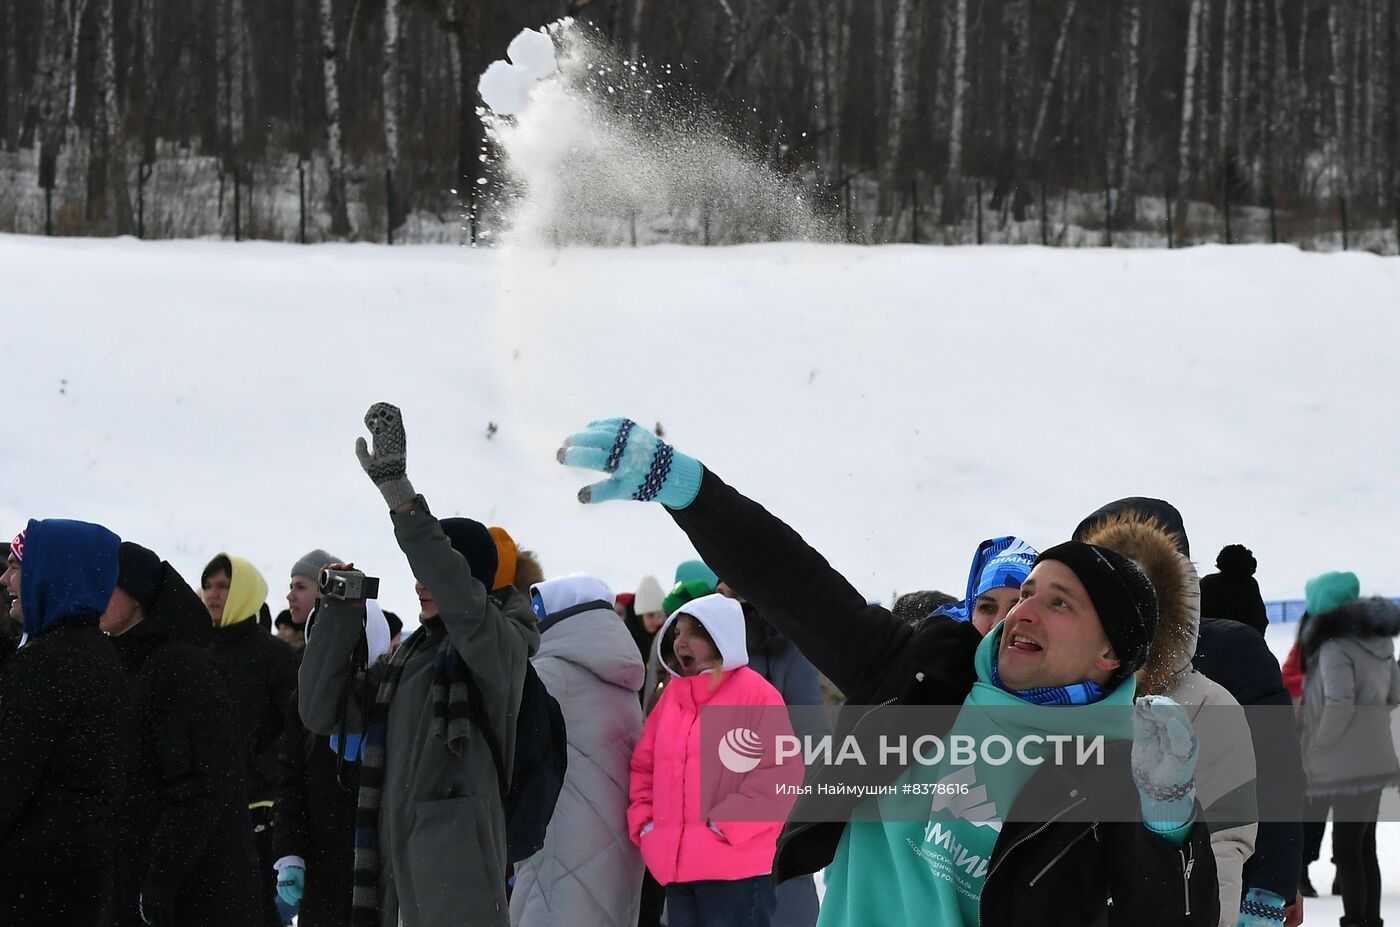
{"x": 247, "y": 591}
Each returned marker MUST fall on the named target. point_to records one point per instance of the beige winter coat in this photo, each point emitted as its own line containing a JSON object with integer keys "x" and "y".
{"x": 1225, "y": 770}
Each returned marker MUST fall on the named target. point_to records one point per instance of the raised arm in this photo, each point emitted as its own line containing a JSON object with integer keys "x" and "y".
{"x": 762, "y": 558}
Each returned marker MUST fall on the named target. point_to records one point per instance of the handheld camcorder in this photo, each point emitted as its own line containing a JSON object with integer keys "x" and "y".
{"x": 348, "y": 584}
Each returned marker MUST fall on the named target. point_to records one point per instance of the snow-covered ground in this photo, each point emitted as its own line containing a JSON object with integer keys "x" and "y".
{"x": 896, "y": 405}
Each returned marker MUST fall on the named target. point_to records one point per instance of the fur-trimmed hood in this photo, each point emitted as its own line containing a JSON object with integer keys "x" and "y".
{"x": 1375, "y": 618}
{"x": 1152, "y": 540}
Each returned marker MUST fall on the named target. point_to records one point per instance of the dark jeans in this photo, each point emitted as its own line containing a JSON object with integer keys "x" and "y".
{"x": 1354, "y": 846}
{"x": 714, "y": 903}
{"x": 65, "y": 898}
{"x": 653, "y": 900}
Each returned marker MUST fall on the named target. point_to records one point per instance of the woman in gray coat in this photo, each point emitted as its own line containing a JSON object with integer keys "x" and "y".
{"x": 589, "y": 871}
{"x": 1352, "y": 684}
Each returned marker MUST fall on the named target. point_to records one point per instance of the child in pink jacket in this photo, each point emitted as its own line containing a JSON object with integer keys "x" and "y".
{"x": 716, "y": 871}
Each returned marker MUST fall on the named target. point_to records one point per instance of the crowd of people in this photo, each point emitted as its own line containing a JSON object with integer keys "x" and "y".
{"x": 531, "y": 754}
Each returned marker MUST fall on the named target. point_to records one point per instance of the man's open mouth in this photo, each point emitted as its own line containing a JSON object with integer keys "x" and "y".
{"x": 1023, "y": 644}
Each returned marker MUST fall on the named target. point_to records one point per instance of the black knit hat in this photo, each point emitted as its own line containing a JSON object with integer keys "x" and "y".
{"x": 1233, "y": 592}
{"x": 139, "y": 573}
{"x": 1122, "y": 595}
{"x": 473, "y": 541}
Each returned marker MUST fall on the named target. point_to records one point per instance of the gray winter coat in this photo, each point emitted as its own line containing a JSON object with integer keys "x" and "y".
{"x": 1349, "y": 657}
{"x": 589, "y": 871}
{"x": 442, "y": 835}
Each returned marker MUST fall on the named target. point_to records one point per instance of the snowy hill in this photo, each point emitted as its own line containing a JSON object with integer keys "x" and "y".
{"x": 896, "y": 405}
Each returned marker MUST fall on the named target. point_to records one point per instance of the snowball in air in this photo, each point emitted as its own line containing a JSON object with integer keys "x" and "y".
{"x": 505, "y": 88}
{"x": 533, "y": 52}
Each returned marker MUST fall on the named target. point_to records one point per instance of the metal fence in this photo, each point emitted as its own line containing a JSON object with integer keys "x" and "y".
{"x": 183, "y": 194}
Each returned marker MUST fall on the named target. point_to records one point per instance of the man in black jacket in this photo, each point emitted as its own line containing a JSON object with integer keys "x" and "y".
{"x": 1083, "y": 625}
{"x": 64, "y": 727}
{"x": 186, "y": 854}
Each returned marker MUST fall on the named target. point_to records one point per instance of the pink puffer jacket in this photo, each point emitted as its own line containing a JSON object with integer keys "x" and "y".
{"x": 666, "y": 787}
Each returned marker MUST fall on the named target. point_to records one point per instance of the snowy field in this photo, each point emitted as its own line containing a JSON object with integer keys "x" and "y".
{"x": 896, "y": 405}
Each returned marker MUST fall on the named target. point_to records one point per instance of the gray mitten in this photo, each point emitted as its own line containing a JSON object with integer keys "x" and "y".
{"x": 386, "y": 463}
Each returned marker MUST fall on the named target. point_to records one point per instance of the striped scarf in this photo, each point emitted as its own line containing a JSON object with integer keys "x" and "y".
{"x": 451, "y": 720}
{"x": 1081, "y": 693}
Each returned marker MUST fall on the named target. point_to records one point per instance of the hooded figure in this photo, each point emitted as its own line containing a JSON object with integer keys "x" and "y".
{"x": 998, "y": 563}
{"x": 588, "y": 872}
{"x": 1349, "y": 650}
{"x": 187, "y": 842}
{"x": 1150, "y": 532}
{"x": 687, "y": 841}
{"x": 1350, "y": 690}
{"x": 64, "y": 733}
{"x": 261, "y": 672}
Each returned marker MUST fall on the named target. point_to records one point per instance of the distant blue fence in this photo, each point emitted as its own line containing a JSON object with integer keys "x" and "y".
{"x": 1286, "y": 610}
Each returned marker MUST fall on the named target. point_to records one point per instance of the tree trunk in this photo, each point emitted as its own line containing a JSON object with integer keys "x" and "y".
{"x": 113, "y": 145}
{"x": 76, "y": 10}
{"x": 1202, "y": 153}
{"x": 901, "y": 93}
{"x": 390, "y": 80}
{"x": 952, "y": 199}
{"x": 11, "y": 97}
{"x": 1336, "y": 29}
{"x": 1185, "y": 161}
{"x": 1056, "y": 65}
{"x": 1227, "y": 89}
{"x": 1128, "y": 101}
{"x": 335, "y": 158}
{"x": 638, "y": 10}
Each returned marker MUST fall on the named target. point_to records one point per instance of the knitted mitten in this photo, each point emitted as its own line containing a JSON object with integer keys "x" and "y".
{"x": 642, "y": 466}
{"x": 1164, "y": 762}
{"x": 1261, "y": 908}
{"x": 386, "y": 464}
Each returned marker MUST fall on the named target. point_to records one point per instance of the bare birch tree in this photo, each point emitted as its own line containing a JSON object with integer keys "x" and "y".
{"x": 335, "y": 156}
{"x": 1185, "y": 161}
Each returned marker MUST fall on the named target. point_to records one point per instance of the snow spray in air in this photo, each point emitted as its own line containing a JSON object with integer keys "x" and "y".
{"x": 595, "y": 149}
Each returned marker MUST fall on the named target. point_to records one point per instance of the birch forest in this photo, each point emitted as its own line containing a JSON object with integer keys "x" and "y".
{"x": 115, "y": 116}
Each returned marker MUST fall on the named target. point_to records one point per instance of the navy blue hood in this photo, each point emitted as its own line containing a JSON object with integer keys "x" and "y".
{"x": 70, "y": 570}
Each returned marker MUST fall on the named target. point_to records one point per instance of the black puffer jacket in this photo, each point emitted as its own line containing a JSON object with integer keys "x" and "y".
{"x": 64, "y": 736}
{"x": 185, "y": 818}
{"x": 1235, "y": 655}
{"x": 262, "y": 677}
{"x": 1070, "y": 868}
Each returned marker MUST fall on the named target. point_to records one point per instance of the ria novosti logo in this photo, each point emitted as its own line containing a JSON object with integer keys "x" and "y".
{"x": 741, "y": 750}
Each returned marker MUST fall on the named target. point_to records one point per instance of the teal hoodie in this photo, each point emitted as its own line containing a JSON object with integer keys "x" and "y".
{"x": 892, "y": 871}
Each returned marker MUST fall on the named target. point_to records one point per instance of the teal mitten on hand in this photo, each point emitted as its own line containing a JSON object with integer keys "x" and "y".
{"x": 1261, "y": 908}
{"x": 643, "y": 467}
{"x": 1164, "y": 762}
{"x": 291, "y": 884}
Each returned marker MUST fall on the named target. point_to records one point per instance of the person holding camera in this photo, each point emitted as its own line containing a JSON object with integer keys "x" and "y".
{"x": 430, "y": 846}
